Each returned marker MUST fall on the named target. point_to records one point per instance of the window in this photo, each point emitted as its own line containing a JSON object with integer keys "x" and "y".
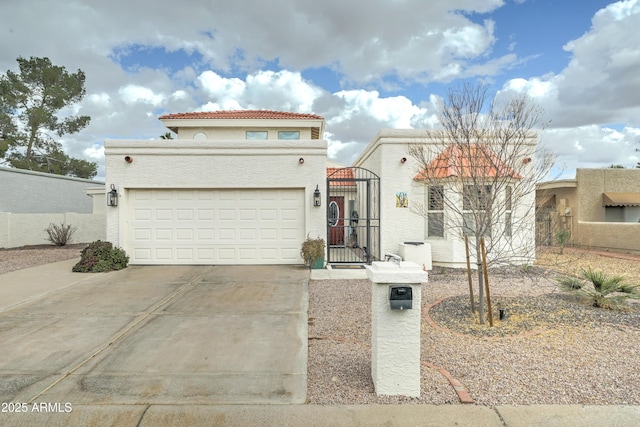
{"x": 288, "y": 134}
{"x": 435, "y": 213}
{"x": 476, "y": 197}
{"x": 508, "y": 195}
{"x": 334, "y": 214}
{"x": 476, "y": 201}
{"x": 257, "y": 134}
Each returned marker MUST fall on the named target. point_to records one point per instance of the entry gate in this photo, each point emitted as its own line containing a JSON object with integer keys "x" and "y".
{"x": 353, "y": 216}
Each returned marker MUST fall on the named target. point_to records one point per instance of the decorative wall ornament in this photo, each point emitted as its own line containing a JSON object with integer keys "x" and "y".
{"x": 402, "y": 199}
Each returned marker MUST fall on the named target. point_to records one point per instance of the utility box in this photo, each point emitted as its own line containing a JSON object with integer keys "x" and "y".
{"x": 395, "y": 326}
{"x": 418, "y": 252}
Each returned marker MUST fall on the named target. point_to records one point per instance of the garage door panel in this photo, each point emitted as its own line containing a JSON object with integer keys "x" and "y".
{"x": 226, "y": 214}
{"x": 205, "y": 214}
{"x": 227, "y": 234}
{"x": 216, "y": 226}
{"x": 163, "y": 214}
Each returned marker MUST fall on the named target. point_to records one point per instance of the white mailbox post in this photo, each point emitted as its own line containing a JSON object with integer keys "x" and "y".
{"x": 395, "y": 328}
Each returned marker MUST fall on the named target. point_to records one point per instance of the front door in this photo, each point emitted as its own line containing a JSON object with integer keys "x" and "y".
{"x": 335, "y": 218}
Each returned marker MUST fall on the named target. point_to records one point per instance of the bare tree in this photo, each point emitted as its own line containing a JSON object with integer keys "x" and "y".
{"x": 480, "y": 167}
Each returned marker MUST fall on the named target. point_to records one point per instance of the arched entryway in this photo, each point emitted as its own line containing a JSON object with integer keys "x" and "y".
{"x": 353, "y": 216}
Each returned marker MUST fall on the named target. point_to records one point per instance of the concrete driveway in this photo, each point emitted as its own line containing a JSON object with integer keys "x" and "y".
{"x": 154, "y": 335}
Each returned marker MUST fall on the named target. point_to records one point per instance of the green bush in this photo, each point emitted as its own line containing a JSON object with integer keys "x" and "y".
{"x": 99, "y": 257}
{"x": 602, "y": 290}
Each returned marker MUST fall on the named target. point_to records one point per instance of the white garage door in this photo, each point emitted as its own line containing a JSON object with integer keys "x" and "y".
{"x": 262, "y": 226}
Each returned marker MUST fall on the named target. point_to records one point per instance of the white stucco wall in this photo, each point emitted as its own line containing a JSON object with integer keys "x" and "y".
{"x": 383, "y": 156}
{"x": 219, "y": 164}
{"x": 24, "y": 191}
{"x": 29, "y": 229}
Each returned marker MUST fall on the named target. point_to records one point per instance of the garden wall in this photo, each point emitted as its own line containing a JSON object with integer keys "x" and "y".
{"x": 29, "y": 229}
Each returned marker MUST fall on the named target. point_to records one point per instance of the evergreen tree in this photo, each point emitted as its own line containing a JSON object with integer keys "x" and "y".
{"x": 30, "y": 105}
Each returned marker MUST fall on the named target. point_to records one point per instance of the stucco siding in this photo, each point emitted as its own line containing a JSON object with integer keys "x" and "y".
{"x": 617, "y": 236}
{"x": 388, "y": 156}
{"x": 29, "y": 229}
{"x": 220, "y": 164}
{"x": 593, "y": 182}
{"x": 397, "y": 224}
{"x": 23, "y": 191}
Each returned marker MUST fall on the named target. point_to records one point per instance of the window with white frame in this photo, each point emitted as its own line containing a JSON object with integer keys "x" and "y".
{"x": 257, "y": 134}
{"x": 288, "y": 134}
{"x": 435, "y": 211}
{"x": 475, "y": 206}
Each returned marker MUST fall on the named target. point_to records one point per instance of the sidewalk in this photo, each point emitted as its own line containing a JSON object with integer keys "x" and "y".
{"x": 338, "y": 415}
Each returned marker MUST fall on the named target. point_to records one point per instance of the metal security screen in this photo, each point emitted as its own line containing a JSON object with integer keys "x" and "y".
{"x": 353, "y": 216}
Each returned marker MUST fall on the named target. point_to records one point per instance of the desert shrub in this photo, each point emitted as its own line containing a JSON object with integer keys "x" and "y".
{"x": 605, "y": 291}
{"x": 61, "y": 234}
{"x": 99, "y": 257}
{"x": 562, "y": 238}
{"x": 312, "y": 250}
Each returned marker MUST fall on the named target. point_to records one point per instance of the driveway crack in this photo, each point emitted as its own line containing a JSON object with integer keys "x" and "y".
{"x": 124, "y": 333}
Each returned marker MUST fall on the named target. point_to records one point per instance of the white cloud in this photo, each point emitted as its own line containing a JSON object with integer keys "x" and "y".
{"x": 593, "y": 146}
{"x": 385, "y": 45}
{"x": 132, "y": 94}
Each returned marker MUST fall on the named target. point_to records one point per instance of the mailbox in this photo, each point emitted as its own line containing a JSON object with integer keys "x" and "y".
{"x": 400, "y": 297}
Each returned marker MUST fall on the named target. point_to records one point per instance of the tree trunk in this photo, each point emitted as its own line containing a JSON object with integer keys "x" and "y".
{"x": 480, "y": 282}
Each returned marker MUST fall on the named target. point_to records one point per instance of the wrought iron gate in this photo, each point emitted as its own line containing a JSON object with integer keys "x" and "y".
{"x": 353, "y": 216}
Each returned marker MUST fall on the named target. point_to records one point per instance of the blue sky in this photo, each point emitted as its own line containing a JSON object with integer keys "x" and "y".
{"x": 363, "y": 65}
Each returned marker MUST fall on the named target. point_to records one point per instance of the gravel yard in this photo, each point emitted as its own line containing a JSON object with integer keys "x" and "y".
{"x": 550, "y": 349}
{"x": 30, "y": 256}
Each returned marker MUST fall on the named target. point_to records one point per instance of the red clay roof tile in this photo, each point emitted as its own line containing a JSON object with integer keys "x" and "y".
{"x": 466, "y": 162}
{"x": 242, "y": 114}
{"x": 340, "y": 173}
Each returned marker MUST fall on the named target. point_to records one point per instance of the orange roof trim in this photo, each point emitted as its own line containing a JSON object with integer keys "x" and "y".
{"x": 243, "y": 114}
{"x": 467, "y": 162}
{"x": 341, "y": 173}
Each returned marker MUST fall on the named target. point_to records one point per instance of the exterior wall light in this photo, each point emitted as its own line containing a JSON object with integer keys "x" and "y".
{"x": 112, "y": 196}
{"x": 316, "y": 197}
{"x": 402, "y": 160}
{"x": 301, "y": 160}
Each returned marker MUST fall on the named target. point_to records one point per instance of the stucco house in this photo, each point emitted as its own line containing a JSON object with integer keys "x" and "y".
{"x": 247, "y": 187}
{"x": 409, "y": 211}
{"x": 235, "y": 187}
{"x": 600, "y": 208}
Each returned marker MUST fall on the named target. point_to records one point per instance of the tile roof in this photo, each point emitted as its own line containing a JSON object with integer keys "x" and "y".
{"x": 466, "y": 162}
{"x": 340, "y": 173}
{"x": 242, "y": 114}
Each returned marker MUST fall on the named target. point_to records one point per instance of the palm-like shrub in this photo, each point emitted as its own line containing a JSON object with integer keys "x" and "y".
{"x": 608, "y": 291}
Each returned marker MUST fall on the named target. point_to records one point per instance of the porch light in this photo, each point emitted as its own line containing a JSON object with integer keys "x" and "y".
{"x": 316, "y": 197}
{"x": 112, "y": 196}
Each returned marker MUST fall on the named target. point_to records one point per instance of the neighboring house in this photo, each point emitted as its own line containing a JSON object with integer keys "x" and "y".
{"x": 235, "y": 187}
{"x": 30, "y": 201}
{"x": 600, "y": 208}
{"x": 403, "y": 195}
